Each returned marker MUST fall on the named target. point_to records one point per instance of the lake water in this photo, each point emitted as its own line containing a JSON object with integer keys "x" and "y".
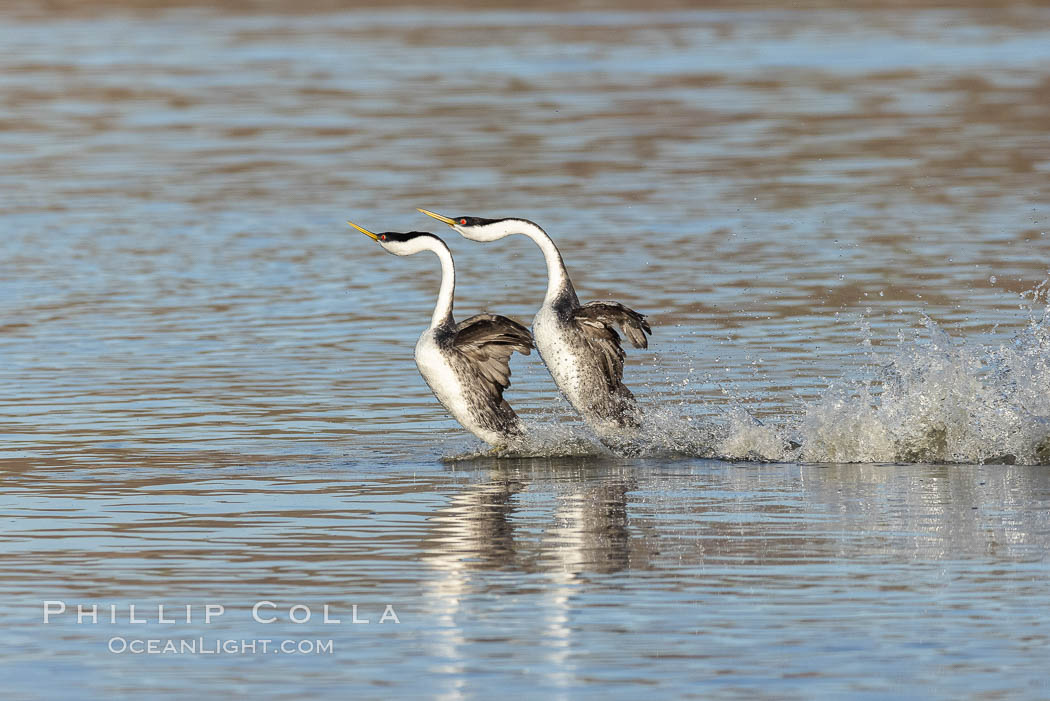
{"x": 835, "y": 220}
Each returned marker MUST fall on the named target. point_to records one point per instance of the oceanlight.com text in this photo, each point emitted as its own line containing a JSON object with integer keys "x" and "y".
{"x": 219, "y": 646}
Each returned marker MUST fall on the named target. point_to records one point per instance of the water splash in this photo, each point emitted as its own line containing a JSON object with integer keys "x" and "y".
{"x": 941, "y": 399}
{"x": 547, "y": 436}
{"x": 934, "y": 399}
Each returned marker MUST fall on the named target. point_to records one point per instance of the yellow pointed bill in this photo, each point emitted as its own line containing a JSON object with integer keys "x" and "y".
{"x": 366, "y": 232}
{"x": 450, "y": 222}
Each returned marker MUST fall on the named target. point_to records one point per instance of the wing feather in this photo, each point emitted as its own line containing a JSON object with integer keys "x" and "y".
{"x": 487, "y": 342}
{"x": 596, "y": 322}
{"x": 608, "y": 314}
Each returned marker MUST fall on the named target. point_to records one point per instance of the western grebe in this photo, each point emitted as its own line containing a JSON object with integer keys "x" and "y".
{"x": 466, "y": 365}
{"x": 577, "y": 341}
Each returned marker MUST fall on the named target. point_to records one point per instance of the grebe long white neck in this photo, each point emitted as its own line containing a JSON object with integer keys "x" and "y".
{"x": 559, "y": 287}
{"x": 443, "y": 307}
{"x": 557, "y": 276}
{"x": 408, "y": 243}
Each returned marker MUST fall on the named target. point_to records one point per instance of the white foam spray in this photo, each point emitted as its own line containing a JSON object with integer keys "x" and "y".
{"x": 933, "y": 399}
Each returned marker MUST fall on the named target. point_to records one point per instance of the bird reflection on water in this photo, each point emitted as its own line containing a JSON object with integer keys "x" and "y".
{"x": 587, "y": 531}
{"x": 489, "y": 527}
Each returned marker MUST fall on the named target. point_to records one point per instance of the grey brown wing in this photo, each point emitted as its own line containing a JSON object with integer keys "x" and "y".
{"x": 596, "y": 321}
{"x": 487, "y": 342}
{"x": 610, "y": 314}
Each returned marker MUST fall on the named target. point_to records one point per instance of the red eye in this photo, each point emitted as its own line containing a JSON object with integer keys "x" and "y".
{"x": 382, "y": 237}
{"x": 463, "y": 222}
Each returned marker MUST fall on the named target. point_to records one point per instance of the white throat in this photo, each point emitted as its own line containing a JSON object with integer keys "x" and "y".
{"x": 557, "y": 276}
{"x": 443, "y": 307}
